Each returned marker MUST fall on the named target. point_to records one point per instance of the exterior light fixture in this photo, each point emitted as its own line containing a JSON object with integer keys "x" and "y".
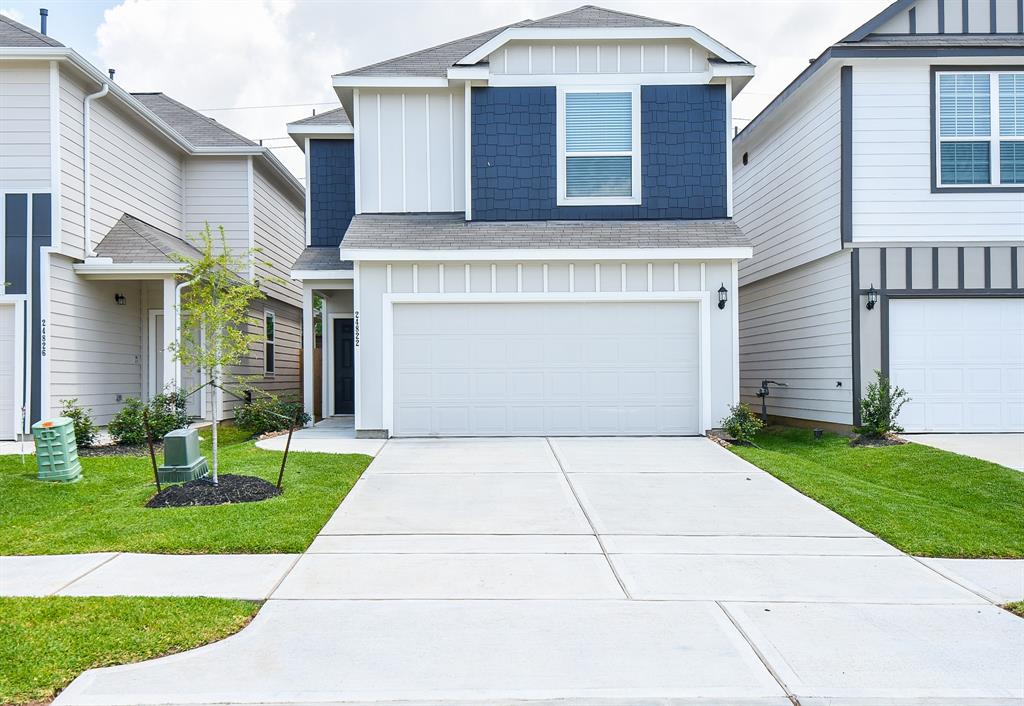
{"x": 120, "y": 299}
{"x": 723, "y": 296}
{"x": 872, "y": 297}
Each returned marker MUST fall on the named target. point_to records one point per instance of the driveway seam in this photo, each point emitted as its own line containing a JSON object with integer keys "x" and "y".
{"x": 760, "y": 656}
{"x": 597, "y": 535}
{"x": 970, "y": 589}
{"x": 83, "y": 575}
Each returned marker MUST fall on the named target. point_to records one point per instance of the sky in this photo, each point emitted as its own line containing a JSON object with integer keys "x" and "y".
{"x": 255, "y": 65}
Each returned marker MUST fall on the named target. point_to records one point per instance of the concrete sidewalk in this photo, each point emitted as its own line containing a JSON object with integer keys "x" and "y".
{"x": 335, "y": 435}
{"x": 604, "y": 571}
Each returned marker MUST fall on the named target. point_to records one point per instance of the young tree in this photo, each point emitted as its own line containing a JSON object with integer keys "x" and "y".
{"x": 216, "y": 297}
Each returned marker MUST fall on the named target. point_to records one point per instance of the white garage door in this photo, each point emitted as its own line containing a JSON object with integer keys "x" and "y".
{"x": 8, "y": 384}
{"x": 508, "y": 369}
{"x": 962, "y": 362}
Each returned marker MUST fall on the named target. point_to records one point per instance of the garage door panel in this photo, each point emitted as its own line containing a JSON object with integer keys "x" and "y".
{"x": 583, "y": 368}
{"x": 961, "y": 361}
{"x": 8, "y": 362}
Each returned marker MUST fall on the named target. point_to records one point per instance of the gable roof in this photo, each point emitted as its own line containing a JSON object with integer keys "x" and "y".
{"x": 192, "y": 125}
{"x": 878, "y": 20}
{"x": 15, "y": 34}
{"x": 336, "y": 116}
{"x": 133, "y": 241}
{"x": 435, "y": 61}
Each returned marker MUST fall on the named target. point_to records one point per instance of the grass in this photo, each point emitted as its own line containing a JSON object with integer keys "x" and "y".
{"x": 105, "y": 511}
{"x": 47, "y": 642}
{"x": 923, "y": 500}
{"x": 1017, "y": 608}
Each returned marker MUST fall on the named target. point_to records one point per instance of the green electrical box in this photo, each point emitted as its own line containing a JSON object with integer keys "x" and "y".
{"x": 56, "y": 450}
{"x": 182, "y": 461}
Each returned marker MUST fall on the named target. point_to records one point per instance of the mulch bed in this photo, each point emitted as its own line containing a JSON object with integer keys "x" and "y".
{"x": 878, "y": 443}
{"x": 230, "y": 489}
{"x": 120, "y": 450}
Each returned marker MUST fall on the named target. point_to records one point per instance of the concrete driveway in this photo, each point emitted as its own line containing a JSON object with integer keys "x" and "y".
{"x": 1004, "y": 449}
{"x": 577, "y": 571}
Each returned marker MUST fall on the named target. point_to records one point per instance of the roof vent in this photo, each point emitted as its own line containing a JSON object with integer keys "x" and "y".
{"x": 43, "y": 12}
{"x": 111, "y": 72}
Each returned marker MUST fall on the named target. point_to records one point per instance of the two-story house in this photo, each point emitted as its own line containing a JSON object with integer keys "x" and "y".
{"x": 884, "y": 194}
{"x": 529, "y": 231}
{"x": 99, "y": 189}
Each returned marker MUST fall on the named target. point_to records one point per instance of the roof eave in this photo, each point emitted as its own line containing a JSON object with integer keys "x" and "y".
{"x": 361, "y": 254}
{"x": 106, "y": 268}
{"x": 300, "y": 133}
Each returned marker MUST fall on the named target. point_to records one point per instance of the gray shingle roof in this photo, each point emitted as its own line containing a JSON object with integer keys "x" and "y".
{"x": 321, "y": 258}
{"x": 436, "y": 61}
{"x": 195, "y": 127}
{"x": 133, "y": 241}
{"x": 15, "y": 34}
{"x": 937, "y": 40}
{"x": 338, "y": 116}
{"x": 450, "y": 231}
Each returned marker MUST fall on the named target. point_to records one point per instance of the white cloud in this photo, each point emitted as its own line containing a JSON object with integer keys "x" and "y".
{"x": 13, "y": 14}
{"x": 220, "y": 53}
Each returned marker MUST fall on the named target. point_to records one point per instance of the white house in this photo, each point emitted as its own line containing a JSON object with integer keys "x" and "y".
{"x": 884, "y": 193}
{"x": 98, "y": 191}
{"x": 529, "y": 231}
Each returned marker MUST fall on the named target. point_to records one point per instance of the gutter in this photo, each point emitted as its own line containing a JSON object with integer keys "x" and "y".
{"x": 87, "y": 166}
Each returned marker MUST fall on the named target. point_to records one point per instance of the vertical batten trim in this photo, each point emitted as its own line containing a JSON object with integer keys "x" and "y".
{"x": 846, "y": 154}
{"x": 1013, "y": 268}
{"x": 912, "y": 19}
{"x": 467, "y": 129}
{"x": 960, "y": 268}
{"x": 642, "y": 59}
{"x": 597, "y": 276}
{"x": 415, "y": 278}
{"x": 598, "y": 58}
{"x": 942, "y": 16}
{"x": 675, "y": 276}
{"x": 992, "y": 16}
{"x": 356, "y": 155}
{"x": 404, "y": 173}
{"x": 728, "y": 148}
{"x": 622, "y": 277}
{"x": 440, "y": 278}
{"x": 855, "y": 331}
{"x": 572, "y": 277}
{"x": 703, "y": 278}
{"x": 494, "y": 278}
{"x": 426, "y": 101}
{"x": 519, "y": 277}
{"x": 467, "y": 284}
{"x": 650, "y": 276}
{"x": 380, "y": 163}
{"x": 1020, "y": 16}
{"x": 529, "y": 59}
{"x": 965, "y": 11}
{"x": 388, "y": 270}
{"x": 618, "y": 58}
{"x": 451, "y": 150}
{"x": 690, "y": 61}
{"x": 577, "y": 58}
{"x": 988, "y": 267}
{"x": 909, "y": 269}
{"x": 666, "y": 59}
{"x": 544, "y": 271}
{"x": 935, "y": 268}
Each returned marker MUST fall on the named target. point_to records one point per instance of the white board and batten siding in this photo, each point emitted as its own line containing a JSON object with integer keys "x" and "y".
{"x": 24, "y": 125}
{"x": 411, "y": 147}
{"x": 532, "y": 280}
{"x": 133, "y": 170}
{"x": 892, "y": 198}
{"x": 595, "y": 57}
{"x": 979, "y": 17}
{"x": 796, "y": 328}
{"x": 787, "y": 196}
{"x": 279, "y": 234}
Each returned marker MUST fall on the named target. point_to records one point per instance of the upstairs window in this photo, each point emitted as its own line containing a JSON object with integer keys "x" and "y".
{"x": 980, "y": 129}
{"x": 269, "y": 342}
{"x": 598, "y": 146}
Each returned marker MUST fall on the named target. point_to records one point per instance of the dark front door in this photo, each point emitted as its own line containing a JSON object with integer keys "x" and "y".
{"x": 344, "y": 375}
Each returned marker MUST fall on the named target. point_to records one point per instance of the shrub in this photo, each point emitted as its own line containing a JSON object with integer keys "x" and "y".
{"x": 742, "y": 423}
{"x": 166, "y": 413}
{"x": 880, "y": 408}
{"x": 85, "y": 430}
{"x": 264, "y": 414}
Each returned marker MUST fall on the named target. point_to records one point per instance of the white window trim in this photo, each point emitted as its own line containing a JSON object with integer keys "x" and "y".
{"x": 993, "y": 139}
{"x": 635, "y": 198}
{"x": 269, "y": 314}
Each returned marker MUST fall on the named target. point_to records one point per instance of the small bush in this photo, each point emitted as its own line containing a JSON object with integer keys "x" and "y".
{"x": 166, "y": 413}
{"x": 742, "y": 423}
{"x": 265, "y": 414}
{"x": 85, "y": 430}
{"x": 880, "y": 408}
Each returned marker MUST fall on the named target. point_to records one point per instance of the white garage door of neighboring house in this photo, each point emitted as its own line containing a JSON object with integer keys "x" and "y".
{"x": 554, "y": 368}
{"x": 8, "y": 380}
{"x": 961, "y": 361}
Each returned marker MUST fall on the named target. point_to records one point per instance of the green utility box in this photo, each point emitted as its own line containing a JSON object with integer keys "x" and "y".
{"x": 56, "y": 450}
{"x": 182, "y": 461}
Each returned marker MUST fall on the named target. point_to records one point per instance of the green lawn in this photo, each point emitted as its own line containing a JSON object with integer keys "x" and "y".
{"x": 923, "y": 500}
{"x": 47, "y": 642}
{"x": 105, "y": 511}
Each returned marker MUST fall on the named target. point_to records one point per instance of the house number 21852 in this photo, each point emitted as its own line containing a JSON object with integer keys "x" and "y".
{"x": 355, "y": 328}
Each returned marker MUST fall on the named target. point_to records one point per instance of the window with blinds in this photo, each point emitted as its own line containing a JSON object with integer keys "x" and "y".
{"x": 599, "y": 146}
{"x": 980, "y": 128}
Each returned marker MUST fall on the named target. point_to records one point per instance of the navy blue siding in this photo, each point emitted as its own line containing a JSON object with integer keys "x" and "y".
{"x": 16, "y": 240}
{"x": 514, "y": 164}
{"x": 332, "y": 191}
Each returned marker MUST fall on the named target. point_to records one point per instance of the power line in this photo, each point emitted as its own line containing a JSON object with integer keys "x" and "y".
{"x": 259, "y": 107}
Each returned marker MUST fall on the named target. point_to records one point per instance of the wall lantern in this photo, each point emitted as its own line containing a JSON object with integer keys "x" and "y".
{"x": 120, "y": 299}
{"x": 723, "y": 296}
{"x": 872, "y": 297}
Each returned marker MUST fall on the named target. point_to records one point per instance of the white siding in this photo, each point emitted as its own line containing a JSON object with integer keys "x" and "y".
{"x": 530, "y": 277}
{"x": 978, "y": 14}
{"x": 892, "y": 199}
{"x": 25, "y": 125}
{"x": 411, "y": 151}
{"x": 95, "y": 346}
{"x": 217, "y": 192}
{"x": 279, "y": 234}
{"x": 787, "y": 195}
{"x": 795, "y": 328}
{"x": 134, "y": 170}
{"x": 525, "y": 58}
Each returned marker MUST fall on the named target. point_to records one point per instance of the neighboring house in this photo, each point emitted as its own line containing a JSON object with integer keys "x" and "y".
{"x": 535, "y": 233}
{"x": 99, "y": 190}
{"x": 884, "y": 193}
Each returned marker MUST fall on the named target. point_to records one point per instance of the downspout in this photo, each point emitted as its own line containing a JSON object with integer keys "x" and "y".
{"x": 177, "y": 329}
{"x": 86, "y": 167}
